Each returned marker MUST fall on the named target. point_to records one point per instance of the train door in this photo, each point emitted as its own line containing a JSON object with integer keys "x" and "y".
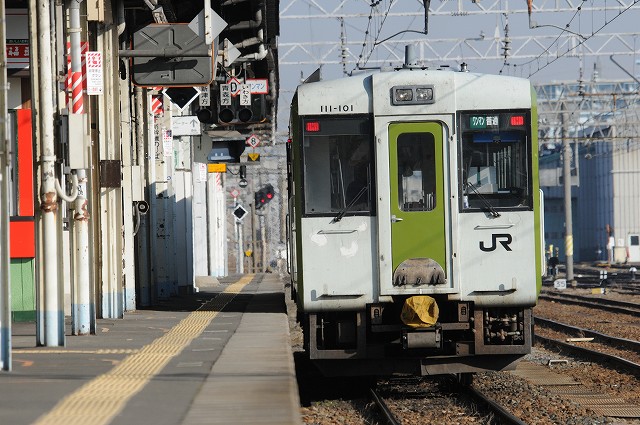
{"x": 417, "y": 212}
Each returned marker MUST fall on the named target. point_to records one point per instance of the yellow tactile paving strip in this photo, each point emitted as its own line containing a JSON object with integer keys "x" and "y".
{"x": 100, "y": 400}
{"x": 100, "y": 351}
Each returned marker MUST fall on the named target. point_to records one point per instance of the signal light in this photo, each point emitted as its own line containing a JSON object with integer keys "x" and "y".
{"x": 517, "y": 120}
{"x": 226, "y": 115}
{"x": 312, "y": 126}
{"x": 263, "y": 196}
{"x": 245, "y": 114}
{"x": 205, "y": 115}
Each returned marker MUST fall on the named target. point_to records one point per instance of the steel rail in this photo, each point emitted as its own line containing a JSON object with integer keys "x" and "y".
{"x": 608, "y": 305}
{"x": 384, "y": 409}
{"x": 599, "y": 356}
{"x": 619, "y": 287}
{"x": 603, "y": 301}
{"x": 599, "y": 337}
{"x": 505, "y": 416}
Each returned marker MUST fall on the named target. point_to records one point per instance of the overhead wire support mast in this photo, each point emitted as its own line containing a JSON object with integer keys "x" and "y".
{"x": 457, "y": 49}
{"x": 568, "y": 210}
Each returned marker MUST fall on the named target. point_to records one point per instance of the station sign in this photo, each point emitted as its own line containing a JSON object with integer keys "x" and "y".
{"x": 258, "y": 85}
{"x": 225, "y": 94}
{"x": 95, "y": 77}
{"x": 245, "y": 94}
{"x": 17, "y": 38}
{"x": 205, "y": 96}
{"x": 186, "y": 125}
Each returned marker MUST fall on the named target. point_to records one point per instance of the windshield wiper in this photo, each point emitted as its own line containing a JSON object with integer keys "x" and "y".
{"x": 343, "y": 211}
{"x": 484, "y": 200}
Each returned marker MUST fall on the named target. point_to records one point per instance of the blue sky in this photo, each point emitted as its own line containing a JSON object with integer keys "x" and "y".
{"x": 459, "y": 31}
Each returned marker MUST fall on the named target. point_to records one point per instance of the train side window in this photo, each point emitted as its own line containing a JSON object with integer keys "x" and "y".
{"x": 338, "y": 168}
{"x": 416, "y": 172}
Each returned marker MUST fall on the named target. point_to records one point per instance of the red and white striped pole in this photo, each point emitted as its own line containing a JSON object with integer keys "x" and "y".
{"x": 77, "y": 105}
{"x": 76, "y": 74}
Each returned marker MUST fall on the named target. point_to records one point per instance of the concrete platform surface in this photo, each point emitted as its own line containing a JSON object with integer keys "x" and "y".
{"x": 219, "y": 356}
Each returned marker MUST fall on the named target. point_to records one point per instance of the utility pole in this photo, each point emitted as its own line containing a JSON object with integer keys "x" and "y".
{"x": 82, "y": 318}
{"x": 5, "y": 160}
{"x": 51, "y": 318}
{"x": 568, "y": 219}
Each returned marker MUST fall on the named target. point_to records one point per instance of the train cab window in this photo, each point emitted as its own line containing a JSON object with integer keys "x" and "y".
{"x": 338, "y": 166}
{"x": 495, "y": 168}
{"x": 416, "y": 172}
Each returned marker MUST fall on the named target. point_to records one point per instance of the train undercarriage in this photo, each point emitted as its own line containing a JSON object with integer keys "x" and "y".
{"x": 375, "y": 341}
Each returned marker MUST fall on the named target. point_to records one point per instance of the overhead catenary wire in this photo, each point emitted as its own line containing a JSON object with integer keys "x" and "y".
{"x": 580, "y": 43}
{"x": 373, "y": 7}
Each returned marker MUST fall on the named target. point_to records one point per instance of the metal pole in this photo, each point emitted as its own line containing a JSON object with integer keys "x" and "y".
{"x": 82, "y": 271}
{"x": 143, "y": 288}
{"x": 53, "y": 316}
{"x": 140, "y": 120}
{"x": 253, "y": 239}
{"x": 568, "y": 219}
{"x": 240, "y": 259}
{"x": 263, "y": 237}
{"x": 254, "y": 244}
{"x": 5, "y": 161}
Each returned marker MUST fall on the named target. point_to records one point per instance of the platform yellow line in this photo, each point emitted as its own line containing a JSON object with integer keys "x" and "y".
{"x": 101, "y": 399}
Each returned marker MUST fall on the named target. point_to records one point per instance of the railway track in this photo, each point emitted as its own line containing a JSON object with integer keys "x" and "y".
{"x": 619, "y": 282}
{"x": 504, "y": 416}
{"x": 384, "y": 410}
{"x": 614, "y": 306}
{"x": 493, "y": 412}
{"x": 619, "y": 357}
{"x": 574, "y": 336}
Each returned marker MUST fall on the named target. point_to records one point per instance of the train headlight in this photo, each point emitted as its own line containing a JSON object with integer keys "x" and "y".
{"x": 412, "y": 95}
{"x": 403, "y": 95}
{"x": 424, "y": 94}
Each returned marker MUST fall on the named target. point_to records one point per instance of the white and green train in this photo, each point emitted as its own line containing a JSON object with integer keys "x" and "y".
{"x": 415, "y": 224}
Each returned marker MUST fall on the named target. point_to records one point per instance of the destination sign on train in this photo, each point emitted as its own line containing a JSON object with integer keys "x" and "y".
{"x": 482, "y": 121}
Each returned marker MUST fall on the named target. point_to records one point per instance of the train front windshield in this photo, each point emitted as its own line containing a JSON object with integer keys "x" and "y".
{"x": 495, "y": 164}
{"x": 338, "y": 166}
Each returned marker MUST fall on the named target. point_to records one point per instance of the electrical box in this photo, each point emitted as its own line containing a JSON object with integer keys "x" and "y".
{"x": 79, "y": 147}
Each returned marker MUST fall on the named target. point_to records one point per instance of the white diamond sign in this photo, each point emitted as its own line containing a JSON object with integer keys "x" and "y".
{"x": 253, "y": 141}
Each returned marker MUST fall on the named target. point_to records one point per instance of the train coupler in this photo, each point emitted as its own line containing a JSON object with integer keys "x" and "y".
{"x": 423, "y": 338}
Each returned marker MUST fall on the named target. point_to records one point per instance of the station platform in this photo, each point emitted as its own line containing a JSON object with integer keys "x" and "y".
{"x": 219, "y": 356}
